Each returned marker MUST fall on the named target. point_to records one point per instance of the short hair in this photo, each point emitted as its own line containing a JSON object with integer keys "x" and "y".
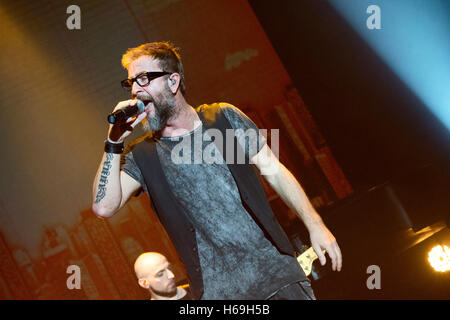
{"x": 165, "y": 52}
{"x": 145, "y": 261}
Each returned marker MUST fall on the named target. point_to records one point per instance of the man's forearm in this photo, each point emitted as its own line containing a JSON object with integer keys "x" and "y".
{"x": 290, "y": 190}
{"x": 107, "y": 191}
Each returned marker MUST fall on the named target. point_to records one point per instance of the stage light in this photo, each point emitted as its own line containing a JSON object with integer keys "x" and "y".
{"x": 413, "y": 40}
{"x": 439, "y": 258}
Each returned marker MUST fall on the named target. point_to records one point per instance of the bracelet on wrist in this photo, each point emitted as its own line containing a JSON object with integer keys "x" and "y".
{"x": 111, "y": 147}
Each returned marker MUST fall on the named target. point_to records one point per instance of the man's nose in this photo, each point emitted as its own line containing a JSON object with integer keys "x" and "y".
{"x": 135, "y": 89}
{"x": 170, "y": 274}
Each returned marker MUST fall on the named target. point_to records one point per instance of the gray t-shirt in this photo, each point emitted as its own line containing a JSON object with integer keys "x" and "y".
{"x": 237, "y": 260}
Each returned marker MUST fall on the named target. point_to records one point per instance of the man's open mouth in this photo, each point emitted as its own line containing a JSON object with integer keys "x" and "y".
{"x": 146, "y": 104}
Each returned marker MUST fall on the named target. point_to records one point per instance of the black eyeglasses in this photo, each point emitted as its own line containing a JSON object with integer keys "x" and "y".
{"x": 142, "y": 79}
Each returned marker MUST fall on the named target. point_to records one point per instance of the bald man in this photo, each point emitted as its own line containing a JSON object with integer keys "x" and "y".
{"x": 154, "y": 274}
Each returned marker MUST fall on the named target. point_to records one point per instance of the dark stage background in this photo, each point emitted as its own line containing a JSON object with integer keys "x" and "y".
{"x": 392, "y": 149}
{"x": 371, "y": 157}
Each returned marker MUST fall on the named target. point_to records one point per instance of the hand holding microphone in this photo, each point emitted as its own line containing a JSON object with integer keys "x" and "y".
{"x": 122, "y": 120}
{"x": 122, "y": 115}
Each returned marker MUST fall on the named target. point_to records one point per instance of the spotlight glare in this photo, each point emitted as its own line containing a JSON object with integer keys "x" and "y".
{"x": 439, "y": 258}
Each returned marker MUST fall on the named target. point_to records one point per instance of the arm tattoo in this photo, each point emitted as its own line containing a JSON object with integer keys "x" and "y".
{"x": 104, "y": 178}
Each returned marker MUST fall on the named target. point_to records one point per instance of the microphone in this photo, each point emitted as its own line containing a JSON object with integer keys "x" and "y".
{"x": 121, "y": 115}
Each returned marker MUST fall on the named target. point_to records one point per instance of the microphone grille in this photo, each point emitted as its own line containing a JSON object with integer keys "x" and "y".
{"x": 141, "y": 106}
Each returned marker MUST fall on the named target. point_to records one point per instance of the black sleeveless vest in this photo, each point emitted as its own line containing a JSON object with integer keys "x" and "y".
{"x": 172, "y": 215}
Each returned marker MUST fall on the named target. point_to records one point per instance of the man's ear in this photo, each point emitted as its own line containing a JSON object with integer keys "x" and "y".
{"x": 174, "y": 82}
{"x": 144, "y": 283}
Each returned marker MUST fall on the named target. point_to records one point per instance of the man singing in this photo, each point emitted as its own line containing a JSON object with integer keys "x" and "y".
{"x": 215, "y": 212}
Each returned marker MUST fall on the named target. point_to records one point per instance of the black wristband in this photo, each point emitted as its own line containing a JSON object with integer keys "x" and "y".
{"x": 116, "y": 148}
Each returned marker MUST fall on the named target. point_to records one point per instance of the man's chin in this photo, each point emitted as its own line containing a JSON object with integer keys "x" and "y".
{"x": 168, "y": 293}
{"x": 173, "y": 291}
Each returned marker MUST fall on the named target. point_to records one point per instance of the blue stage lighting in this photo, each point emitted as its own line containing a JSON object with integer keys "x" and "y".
{"x": 414, "y": 41}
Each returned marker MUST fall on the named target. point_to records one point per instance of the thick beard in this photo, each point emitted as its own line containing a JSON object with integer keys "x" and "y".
{"x": 165, "y": 109}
